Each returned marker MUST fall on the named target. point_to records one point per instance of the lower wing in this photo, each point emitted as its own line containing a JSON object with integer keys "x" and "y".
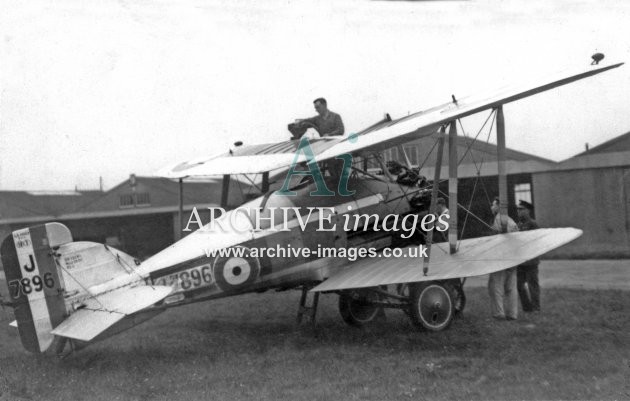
{"x": 475, "y": 257}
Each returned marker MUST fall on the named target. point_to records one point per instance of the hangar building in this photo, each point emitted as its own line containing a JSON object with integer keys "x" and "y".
{"x": 590, "y": 191}
{"x": 478, "y": 177}
{"x": 138, "y": 216}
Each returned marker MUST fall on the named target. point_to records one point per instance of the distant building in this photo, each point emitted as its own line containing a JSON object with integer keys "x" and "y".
{"x": 139, "y": 216}
{"x": 478, "y": 176}
{"x": 590, "y": 191}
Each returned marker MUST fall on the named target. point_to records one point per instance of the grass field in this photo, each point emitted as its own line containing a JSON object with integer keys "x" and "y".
{"x": 249, "y": 348}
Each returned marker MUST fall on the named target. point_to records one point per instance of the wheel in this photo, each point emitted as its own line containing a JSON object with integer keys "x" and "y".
{"x": 356, "y": 307}
{"x": 431, "y": 306}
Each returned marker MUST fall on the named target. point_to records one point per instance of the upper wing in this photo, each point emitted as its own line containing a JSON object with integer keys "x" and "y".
{"x": 475, "y": 257}
{"x": 246, "y": 160}
{"x": 383, "y": 135}
{"x": 254, "y": 158}
{"x": 427, "y": 122}
{"x": 103, "y": 311}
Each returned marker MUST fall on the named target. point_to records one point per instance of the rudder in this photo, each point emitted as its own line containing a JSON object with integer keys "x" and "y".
{"x": 35, "y": 286}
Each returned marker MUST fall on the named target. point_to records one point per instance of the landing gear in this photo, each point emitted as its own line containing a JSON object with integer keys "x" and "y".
{"x": 358, "y": 307}
{"x": 432, "y": 305}
{"x": 310, "y": 311}
{"x": 459, "y": 303}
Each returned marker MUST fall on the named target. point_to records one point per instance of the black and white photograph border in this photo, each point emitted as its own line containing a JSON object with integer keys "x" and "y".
{"x": 442, "y": 197}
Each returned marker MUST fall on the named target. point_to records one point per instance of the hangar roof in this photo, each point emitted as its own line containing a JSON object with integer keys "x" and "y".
{"x": 620, "y": 143}
{"x": 478, "y": 154}
{"x": 136, "y": 195}
{"x": 470, "y": 151}
{"x": 612, "y": 153}
{"x": 31, "y": 204}
{"x": 595, "y": 160}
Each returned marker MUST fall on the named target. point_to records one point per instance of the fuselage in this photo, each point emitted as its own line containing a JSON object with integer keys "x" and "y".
{"x": 199, "y": 266}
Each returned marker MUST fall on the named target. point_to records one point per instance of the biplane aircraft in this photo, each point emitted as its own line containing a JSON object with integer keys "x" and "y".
{"x": 67, "y": 294}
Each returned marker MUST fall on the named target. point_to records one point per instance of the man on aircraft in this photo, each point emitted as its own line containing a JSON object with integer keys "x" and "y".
{"x": 326, "y": 122}
{"x": 502, "y": 284}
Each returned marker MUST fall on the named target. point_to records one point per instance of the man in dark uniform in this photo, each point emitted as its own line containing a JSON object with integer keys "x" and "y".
{"x": 527, "y": 273}
{"x": 325, "y": 122}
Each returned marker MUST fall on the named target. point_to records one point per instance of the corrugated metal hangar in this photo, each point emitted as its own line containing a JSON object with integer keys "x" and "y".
{"x": 590, "y": 191}
{"x": 139, "y": 216}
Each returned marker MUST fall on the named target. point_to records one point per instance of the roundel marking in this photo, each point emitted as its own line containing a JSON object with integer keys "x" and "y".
{"x": 233, "y": 272}
{"x": 236, "y": 271}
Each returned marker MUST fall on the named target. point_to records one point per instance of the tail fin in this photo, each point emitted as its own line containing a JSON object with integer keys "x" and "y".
{"x": 35, "y": 286}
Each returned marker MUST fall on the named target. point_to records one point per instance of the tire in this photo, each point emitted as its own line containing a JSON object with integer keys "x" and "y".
{"x": 356, "y": 308}
{"x": 432, "y": 306}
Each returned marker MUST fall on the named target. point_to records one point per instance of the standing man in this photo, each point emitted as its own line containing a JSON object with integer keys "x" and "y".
{"x": 325, "y": 122}
{"x": 502, "y": 284}
{"x": 527, "y": 273}
{"x": 441, "y": 206}
{"x": 440, "y": 236}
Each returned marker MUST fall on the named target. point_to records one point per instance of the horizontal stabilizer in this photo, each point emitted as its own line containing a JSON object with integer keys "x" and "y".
{"x": 85, "y": 324}
{"x": 103, "y": 311}
{"x": 13, "y": 324}
{"x": 475, "y": 257}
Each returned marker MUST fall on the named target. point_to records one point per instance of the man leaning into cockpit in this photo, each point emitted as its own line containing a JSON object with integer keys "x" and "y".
{"x": 326, "y": 122}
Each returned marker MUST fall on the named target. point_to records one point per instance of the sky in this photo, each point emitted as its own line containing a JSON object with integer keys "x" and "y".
{"x": 100, "y": 88}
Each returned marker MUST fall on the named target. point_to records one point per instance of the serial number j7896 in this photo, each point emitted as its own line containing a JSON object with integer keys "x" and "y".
{"x": 188, "y": 279}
